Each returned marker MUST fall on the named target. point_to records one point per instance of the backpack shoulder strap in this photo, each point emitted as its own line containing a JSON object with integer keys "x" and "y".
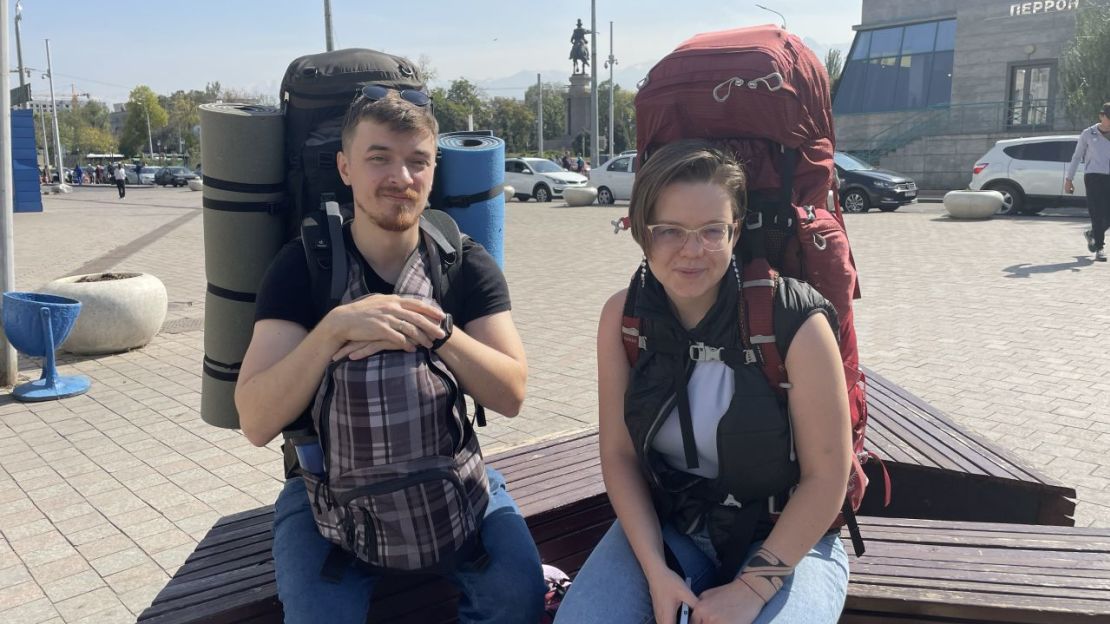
{"x": 630, "y": 323}
{"x": 326, "y": 255}
{"x": 757, "y": 321}
{"x": 448, "y": 249}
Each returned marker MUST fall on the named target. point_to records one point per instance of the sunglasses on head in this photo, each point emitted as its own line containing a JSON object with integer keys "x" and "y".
{"x": 377, "y": 92}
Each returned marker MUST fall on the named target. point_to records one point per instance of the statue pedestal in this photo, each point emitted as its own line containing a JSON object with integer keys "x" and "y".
{"x": 579, "y": 115}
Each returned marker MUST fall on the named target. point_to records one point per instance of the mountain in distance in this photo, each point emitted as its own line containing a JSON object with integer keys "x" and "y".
{"x": 628, "y": 77}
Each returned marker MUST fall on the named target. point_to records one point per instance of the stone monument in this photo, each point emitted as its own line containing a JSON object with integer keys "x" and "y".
{"x": 579, "y": 115}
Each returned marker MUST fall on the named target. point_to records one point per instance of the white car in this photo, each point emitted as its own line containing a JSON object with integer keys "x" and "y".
{"x": 539, "y": 178}
{"x": 1029, "y": 172}
{"x": 614, "y": 178}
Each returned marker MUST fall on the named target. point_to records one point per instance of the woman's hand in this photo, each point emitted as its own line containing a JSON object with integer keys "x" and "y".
{"x": 668, "y": 592}
{"x": 384, "y": 322}
{"x": 735, "y": 603}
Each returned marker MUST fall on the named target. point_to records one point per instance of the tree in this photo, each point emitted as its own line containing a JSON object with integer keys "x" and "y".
{"x": 514, "y": 122}
{"x": 143, "y": 102}
{"x": 91, "y": 139}
{"x": 624, "y": 114}
{"x": 834, "y": 64}
{"x": 454, "y": 104}
{"x": 427, "y": 72}
{"x": 1083, "y": 74}
{"x": 554, "y": 108}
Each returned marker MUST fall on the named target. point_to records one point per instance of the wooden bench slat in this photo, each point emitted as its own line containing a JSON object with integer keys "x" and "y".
{"x": 880, "y": 603}
{"x": 1013, "y": 464}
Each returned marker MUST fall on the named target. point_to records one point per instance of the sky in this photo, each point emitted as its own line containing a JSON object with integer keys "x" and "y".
{"x": 106, "y": 49}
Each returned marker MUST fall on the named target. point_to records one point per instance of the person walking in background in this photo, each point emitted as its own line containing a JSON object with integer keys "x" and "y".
{"x": 1093, "y": 149}
{"x": 78, "y": 175}
{"x": 120, "y": 177}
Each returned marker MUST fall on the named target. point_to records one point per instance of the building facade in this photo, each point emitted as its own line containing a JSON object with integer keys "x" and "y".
{"x": 930, "y": 85}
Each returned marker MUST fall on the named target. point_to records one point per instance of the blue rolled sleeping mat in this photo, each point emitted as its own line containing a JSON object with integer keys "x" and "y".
{"x": 244, "y": 192}
{"x": 468, "y": 186}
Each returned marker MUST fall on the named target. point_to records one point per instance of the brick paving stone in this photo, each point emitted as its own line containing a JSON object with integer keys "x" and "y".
{"x": 71, "y": 586}
{"x": 62, "y": 568}
{"x": 33, "y": 612}
{"x": 89, "y": 604}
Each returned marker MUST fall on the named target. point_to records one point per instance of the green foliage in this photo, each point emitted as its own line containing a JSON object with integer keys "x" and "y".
{"x": 143, "y": 102}
{"x": 1083, "y": 75}
{"x": 624, "y": 114}
{"x": 834, "y": 65}
{"x": 554, "y": 108}
{"x": 514, "y": 122}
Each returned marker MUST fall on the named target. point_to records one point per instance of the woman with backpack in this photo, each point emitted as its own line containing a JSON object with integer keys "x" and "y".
{"x": 724, "y": 497}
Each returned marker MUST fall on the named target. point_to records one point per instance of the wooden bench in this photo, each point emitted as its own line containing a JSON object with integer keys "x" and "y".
{"x": 937, "y": 571}
{"x": 229, "y": 578}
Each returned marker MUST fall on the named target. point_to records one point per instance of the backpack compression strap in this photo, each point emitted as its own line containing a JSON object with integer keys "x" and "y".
{"x": 630, "y": 323}
{"x": 757, "y": 326}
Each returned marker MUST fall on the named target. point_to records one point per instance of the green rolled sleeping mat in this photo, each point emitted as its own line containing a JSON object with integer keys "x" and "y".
{"x": 242, "y": 149}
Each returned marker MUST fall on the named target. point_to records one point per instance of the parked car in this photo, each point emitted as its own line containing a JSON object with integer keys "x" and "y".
{"x": 864, "y": 187}
{"x": 614, "y": 178}
{"x": 539, "y": 178}
{"x": 175, "y": 176}
{"x": 146, "y": 177}
{"x": 1029, "y": 172}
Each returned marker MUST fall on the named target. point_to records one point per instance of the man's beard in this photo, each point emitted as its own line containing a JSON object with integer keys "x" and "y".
{"x": 394, "y": 215}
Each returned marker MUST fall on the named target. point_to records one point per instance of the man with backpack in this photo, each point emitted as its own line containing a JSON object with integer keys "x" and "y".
{"x": 396, "y": 481}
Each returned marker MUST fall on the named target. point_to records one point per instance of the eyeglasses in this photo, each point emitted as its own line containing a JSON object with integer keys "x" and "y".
{"x": 713, "y": 236}
{"x": 374, "y": 93}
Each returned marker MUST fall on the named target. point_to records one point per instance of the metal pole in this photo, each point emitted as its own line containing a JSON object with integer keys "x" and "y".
{"x": 19, "y": 48}
{"x": 9, "y": 364}
{"x": 149, "y": 140}
{"x": 595, "y": 151}
{"x": 539, "y": 112}
{"x": 54, "y": 108}
{"x": 327, "y": 25}
{"x": 612, "y": 61}
{"x": 45, "y": 148}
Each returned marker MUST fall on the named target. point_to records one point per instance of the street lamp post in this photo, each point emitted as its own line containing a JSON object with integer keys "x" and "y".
{"x": 327, "y": 26}
{"x": 9, "y": 364}
{"x": 54, "y": 107}
{"x": 539, "y": 112}
{"x": 595, "y": 150}
{"x": 149, "y": 140}
{"x": 610, "y": 63}
{"x": 19, "y": 48}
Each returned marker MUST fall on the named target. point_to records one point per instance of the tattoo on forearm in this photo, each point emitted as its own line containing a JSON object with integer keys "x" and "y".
{"x": 765, "y": 574}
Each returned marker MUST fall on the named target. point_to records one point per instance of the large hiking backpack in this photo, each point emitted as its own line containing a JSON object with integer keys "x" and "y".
{"x": 315, "y": 94}
{"x": 399, "y": 482}
{"x": 761, "y": 94}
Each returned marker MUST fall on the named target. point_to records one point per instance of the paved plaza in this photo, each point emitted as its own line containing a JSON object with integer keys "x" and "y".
{"x": 1003, "y": 324}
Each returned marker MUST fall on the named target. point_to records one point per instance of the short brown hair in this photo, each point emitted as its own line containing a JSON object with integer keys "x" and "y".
{"x": 1105, "y": 109}
{"x": 683, "y": 161}
{"x": 397, "y": 114}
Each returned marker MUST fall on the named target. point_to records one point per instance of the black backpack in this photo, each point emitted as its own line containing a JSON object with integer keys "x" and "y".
{"x": 315, "y": 93}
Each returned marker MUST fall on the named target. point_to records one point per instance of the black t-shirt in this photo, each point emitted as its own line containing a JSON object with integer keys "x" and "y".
{"x": 479, "y": 288}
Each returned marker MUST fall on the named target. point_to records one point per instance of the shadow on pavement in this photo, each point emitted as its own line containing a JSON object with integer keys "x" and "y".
{"x": 1026, "y": 270}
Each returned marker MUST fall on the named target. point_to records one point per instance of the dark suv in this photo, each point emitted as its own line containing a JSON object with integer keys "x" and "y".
{"x": 175, "y": 176}
{"x": 863, "y": 187}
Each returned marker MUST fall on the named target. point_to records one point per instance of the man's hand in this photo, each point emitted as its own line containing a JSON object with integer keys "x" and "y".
{"x": 734, "y": 603}
{"x": 384, "y": 322}
{"x": 1069, "y": 188}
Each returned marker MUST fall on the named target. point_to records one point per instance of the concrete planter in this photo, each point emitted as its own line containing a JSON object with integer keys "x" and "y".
{"x": 510, "y": 192}
{"x": 195, "y": 185}
{"x": 972, "y": 204}
{"x": 580, "y": 196}
{"x": 119, "y": 311}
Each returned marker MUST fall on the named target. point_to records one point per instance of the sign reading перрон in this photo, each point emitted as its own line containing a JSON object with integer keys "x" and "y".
{"x": 1043, "y": 6}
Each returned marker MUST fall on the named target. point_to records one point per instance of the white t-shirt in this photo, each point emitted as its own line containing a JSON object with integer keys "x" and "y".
{"x": 119, "y": 174}
{"x": 710, "y": 391}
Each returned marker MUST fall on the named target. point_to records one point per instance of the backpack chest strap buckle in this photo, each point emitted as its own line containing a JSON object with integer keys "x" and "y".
{"x": 701, "y": 352}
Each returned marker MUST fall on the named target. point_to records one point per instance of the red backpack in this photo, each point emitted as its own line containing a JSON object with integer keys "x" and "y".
{"x": 763, "y": 95}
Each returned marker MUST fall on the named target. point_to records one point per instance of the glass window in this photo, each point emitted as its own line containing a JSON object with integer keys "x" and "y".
{"x": 946, "y": 35}
{"x": 620, "y": 164}
{"x": 1047, "y": 151}
{"x": 1067, "y": 150}
{"x": 912, "y": 90}
{"x": 849, "y": 92}
{"x": 940, "y": 80}
{"x": 1015, "y": 151}
{"x": 512, "y": 166}
{"x": 882, "y": 77}
{"x": 919, "y": 38}
{"x": 862, "y": 45}
{"x": 885, "y": 42}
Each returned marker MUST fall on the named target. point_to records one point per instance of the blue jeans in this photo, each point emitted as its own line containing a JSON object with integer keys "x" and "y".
{"x": 510, "y": 589}
{"x": 611, "y": 587}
